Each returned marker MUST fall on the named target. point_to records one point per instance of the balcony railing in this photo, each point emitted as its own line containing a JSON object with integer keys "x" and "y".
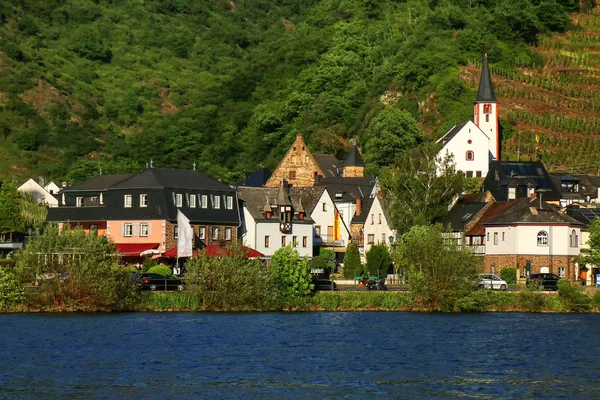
{"x": 328, "y": 240}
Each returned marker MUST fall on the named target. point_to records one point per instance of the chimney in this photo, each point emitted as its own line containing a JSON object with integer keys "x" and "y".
{"x": 358, "y": 206}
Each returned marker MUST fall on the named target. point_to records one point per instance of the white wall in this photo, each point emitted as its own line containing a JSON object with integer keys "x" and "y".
{"x": 377, "y": 225}
{"x": 459, "y": 145}
{"x": 39, "y": 193}
{"x": 271, "y": 229}
{"x": 324, "y": 216}
{"x": 523, "y": 240}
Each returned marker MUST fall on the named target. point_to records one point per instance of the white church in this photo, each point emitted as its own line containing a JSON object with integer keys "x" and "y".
{"x": 472, "y": 145}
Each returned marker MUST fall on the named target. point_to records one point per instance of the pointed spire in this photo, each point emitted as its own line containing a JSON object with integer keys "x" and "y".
{"x": 354, "y": 159}
{"x": 283, "y": 196}
{"x": 486, "y": 89}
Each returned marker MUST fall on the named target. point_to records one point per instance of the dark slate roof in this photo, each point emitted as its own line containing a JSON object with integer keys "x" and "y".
{"x": 255, "y": 199}
{"x": 529, "y": 211}
{"x": 354, "y": 159}
{"x": 330, "y": 165}
{"x": 461, "y": 214}
{"x": 519, "y": 174}
{"x": 100, "y": 182}
{"x": 367, "y": 202}
{"x": 452, "y": 132}
{"x": 257, "y": 178}
{"x": 588, "y": 185}
{"x": 582, "y": 214}
{"x": 486, "y": 89}
{"x": 350, "y": 188}
{"x": 171, "y": 178}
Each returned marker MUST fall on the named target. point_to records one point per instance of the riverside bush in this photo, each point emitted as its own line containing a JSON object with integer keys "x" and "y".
{"x": 231, "y": 282}
{"x": 532, "y": 299}
{"x": 573, "y": 297}
{"x": 75, "y": 270}
{"x": 11, "y": 292}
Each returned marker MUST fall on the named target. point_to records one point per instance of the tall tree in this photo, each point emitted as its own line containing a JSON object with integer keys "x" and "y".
{"x": 378, "y": 260}
{"x": 10, "y": 209}
{"x": 591, "y": 255}
{"x": 352, "y": 264}
{"x": 291, "y": 274}
{"x": 419, "y": 187}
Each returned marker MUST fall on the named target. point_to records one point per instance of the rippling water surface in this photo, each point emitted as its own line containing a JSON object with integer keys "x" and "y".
{"x": 295, "y": 356}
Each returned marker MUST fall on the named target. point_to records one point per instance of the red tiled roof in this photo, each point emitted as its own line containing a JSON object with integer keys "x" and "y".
{"x": 494, "y": 209}
{"x": 134, "y": 249}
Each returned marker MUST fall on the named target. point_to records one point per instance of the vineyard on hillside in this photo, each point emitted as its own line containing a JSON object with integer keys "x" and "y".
{"x": 553, "y": 107}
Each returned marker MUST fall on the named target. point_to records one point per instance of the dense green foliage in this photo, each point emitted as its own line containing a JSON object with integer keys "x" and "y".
{"x": 290, "y": 273}
{"x": 352, "y": 265}
{"x": 11, "y": 292}
{"x": 509, "y": 275}
{"x": 231, "y": 282}
{"x": 325, "y": 261}
{"x": 573, "y": 296}
{"x": 419, "y": 186}
{"x": 591, "y": 254}
{"x": 11, "y": 219}
{"x": 76, "y": 270}
{"x": 89, "y": 85}
{"x": 440, "y": 271}
{"x": 378, "y": 260}
{"x": 160, "y": 269}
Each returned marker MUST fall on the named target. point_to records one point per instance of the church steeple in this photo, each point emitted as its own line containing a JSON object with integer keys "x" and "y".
{"x": 486, "y": 110}
{"x": 486, "y": 89}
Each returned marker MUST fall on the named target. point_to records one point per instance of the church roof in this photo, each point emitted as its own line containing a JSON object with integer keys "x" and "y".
{"x": 486, "y": 89}
{"x": 354, "y": 159}
{"x": 451, "y": 133}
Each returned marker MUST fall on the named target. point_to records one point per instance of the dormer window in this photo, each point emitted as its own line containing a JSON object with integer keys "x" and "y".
{"x": 339, "y": 195}
{"x": 79, "y": 202}
{"x": 143, "y": 200}
{"x": 179, "y": 200}
{"x": 470, "y": 156}
{"x": 128, "y": 200}
{"x": 216, "y": 202}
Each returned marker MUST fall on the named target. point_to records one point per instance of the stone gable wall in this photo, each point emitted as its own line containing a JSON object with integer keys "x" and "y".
{"x": 354, "y": 172}
{"x": 300, "y": 160}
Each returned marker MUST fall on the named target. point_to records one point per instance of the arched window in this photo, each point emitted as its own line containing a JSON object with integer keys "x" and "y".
{"x": 487, "y": 108}
{"x": 470, "y": 155}
{"x": 574, "y": 238}
{"x": 542, "y": 238}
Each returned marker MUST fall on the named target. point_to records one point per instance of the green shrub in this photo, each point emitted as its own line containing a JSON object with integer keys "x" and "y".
{"x": 476, "y": 301}
{"x": 532, "y": 299}
{"x": 573, "y": 297}
{"x": 509, "y": 275}
{"x": 290, "y": 273}
{"x": 11, "y": 292}
{"x": 160, "y": 269}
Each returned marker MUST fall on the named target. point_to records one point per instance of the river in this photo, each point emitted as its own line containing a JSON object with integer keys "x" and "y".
{"x": 340, "y": 355}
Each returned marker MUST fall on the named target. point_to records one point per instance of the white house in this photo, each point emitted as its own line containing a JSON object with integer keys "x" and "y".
{"x": 377, "y": 229}
{"x": 328, "y": 218}
{"x": 41, "y": 195}
{"x": 52, "y": 188}
{"x": 473, "y": 144}
{"x": 534, "y": 237}
{"x": 273, "y": 218}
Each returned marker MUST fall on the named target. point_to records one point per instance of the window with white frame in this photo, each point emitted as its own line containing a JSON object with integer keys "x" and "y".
{"x": 143, "y": 200}
{"x": 495, "y": 238}
{"x": 304, "y": 241}
{"x": 229, "y": 204}
{"x": 179, "y": 200}
{"x": 561, "y": 272}
{"x": 128, "y": 229}
{"x": 202, "y": 232}
{"x": 204, "y": 201}
{"x": 317, "y": 230}
{"x": 216, "y": 202}
{"x": 283, "y": 241}
{"x": 383, "y": 238}
{"x": 503, "y": 236}
{"x": 574, "y": 238}
{"x": 128, "y": 200}
{"x": 267, "y": 241}
{"x": 542, "y": 238}
{"x": 192, "y": 201}
{"x": 215, "y": 233}
{"x": 294, "y": 241}
{"x": 370, "y": 238}
{"x": 227, "y": 233}
{"x": 144, "y": 229}
{"x": 79, "y": 202}
{"x": 324, "y": 206}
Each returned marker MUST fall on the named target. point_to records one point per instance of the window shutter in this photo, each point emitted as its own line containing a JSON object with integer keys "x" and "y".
{"x": 123, "y": 230}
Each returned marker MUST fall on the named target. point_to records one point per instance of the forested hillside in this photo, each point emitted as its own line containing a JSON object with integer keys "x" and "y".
{"x": 227, "y": 84}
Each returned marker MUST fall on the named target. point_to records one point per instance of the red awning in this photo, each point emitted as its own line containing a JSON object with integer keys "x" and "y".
{"x": 172, "y": 253}
{"x": 134, "y": 249}
{"x": 216, "y": 250}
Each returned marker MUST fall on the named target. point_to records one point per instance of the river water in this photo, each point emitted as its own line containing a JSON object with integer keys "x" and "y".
{"x": 299, "y": 356}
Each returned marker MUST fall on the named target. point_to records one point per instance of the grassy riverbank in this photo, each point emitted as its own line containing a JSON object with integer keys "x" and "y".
{"x": 478, "y": 301}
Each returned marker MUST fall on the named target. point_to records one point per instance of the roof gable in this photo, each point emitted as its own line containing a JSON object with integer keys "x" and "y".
{"x": 354, "y": 159}
{"x": 459, "y": 128}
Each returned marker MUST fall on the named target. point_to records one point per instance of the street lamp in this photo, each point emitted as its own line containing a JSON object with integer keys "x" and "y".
{"x": 394, "y": 244}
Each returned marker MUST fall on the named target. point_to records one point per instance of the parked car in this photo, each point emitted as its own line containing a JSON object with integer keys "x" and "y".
{"x": 376, "y": 284}
{"x": 323, "y": 284}
{"x": 490, "y": 281}
{"x": 151, "y": 281}
{"x": 545, "y": 281}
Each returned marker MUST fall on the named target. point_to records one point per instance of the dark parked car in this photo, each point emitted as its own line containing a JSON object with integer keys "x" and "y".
{"x": 546, "y": 281}
{"x": 154, "y": 282}
{"x": 323, "y": 284}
